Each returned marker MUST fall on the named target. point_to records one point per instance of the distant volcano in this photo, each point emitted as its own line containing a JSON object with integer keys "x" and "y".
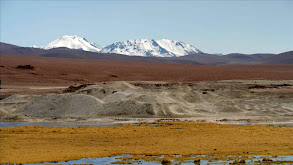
{"x": 73, "y": 42}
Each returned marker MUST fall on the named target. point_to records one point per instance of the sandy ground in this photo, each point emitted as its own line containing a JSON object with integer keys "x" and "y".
{"x": 39, "y": 144}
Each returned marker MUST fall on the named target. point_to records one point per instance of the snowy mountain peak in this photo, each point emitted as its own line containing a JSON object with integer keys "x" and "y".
{"x": 136, "y": 47}
{"x": 73, "y": 42}
{"x": 151, "y": 48}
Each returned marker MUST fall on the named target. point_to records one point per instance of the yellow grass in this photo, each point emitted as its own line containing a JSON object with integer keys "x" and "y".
{"x": 39, "y": 144}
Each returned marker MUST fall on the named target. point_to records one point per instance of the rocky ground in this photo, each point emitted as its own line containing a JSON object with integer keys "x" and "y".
{"x": 246, "y": 101}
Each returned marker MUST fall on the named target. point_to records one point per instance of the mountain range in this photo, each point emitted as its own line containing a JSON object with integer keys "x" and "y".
{"x": 138, "y": 47}
{"x": 198, "y": 58}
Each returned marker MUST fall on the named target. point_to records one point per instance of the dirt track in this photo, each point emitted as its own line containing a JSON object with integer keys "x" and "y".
{"x": 65, "y": 72}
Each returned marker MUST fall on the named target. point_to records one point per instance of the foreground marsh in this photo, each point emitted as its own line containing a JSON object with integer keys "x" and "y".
{"x": 46, "y": 144}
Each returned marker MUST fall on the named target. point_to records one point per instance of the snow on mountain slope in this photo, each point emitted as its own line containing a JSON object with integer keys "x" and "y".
{"x": 139, "y": 47}
{"x": 151, "y": 48}
{"x": 177, "y": 47}
{"x": 73, "y": 42}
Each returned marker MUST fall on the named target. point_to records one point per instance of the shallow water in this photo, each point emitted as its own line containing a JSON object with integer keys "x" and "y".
{"x": 110, "y": 160}
{"x": 102, "y": 160}
{"x": 276, "y": 125}
{"x": 51, "y": 124}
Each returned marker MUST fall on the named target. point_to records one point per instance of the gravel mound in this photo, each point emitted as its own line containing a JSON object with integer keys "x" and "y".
{"x": 3, "y": 113}
{"x": 153, "y": 99}
{"x": 62, "y": 105}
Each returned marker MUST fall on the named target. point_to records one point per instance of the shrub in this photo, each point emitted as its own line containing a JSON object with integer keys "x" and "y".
{"x": 29, "y": 67}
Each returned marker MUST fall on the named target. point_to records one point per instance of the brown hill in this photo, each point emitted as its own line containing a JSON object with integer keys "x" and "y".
{"x": 244, "y": 58}
{"x": 283, "y": 58}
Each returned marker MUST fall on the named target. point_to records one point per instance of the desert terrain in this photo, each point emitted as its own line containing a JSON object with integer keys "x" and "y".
{"x": 80, "y": 89}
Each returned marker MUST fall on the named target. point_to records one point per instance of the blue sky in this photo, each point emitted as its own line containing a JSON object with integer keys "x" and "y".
{"x": 212, "y": 26}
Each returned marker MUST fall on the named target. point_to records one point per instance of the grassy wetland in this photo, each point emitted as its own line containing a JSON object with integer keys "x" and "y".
{"x": 33, "y": 144}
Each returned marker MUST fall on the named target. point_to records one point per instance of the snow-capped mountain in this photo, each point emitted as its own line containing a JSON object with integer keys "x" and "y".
{"x": 138, "y": 47}
{"x": 151, "y": 48}
{"x": 73, "y": 42}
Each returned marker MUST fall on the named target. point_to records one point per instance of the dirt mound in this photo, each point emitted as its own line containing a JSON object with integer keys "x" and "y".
{"x": 128, "y": 108}
{"x": 13, "y": 102}
{"x": 76, "y": 105}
